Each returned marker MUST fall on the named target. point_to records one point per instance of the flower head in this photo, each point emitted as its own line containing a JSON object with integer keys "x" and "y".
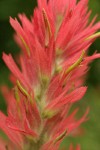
{"x": 53, "y": 63}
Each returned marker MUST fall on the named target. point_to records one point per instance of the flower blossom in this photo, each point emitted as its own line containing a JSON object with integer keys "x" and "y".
{"x": 53, "y": 63}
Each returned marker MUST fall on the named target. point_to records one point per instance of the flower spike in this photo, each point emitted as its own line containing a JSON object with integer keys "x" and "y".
{"x": 53, "y": 62}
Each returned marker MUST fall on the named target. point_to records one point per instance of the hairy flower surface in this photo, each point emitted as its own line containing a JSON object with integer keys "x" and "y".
{"x": 53, "y": 62}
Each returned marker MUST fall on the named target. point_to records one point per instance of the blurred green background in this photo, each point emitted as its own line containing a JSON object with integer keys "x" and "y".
{"x": 91, "y": 139}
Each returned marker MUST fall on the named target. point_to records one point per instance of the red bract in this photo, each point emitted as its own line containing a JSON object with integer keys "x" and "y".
{"x": 53, "y": 63}
{"x": 72, "y": 148}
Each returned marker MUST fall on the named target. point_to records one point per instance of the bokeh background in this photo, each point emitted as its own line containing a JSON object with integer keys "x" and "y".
{"x": 91, "y": 138}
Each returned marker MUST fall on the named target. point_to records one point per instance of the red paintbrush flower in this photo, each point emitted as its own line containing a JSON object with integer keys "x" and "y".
{"x": 53, "y": 63}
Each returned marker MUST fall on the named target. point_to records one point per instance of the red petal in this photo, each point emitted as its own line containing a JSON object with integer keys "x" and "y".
{"x": 15, "y": 137}
{"x": 74, "y": 96}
